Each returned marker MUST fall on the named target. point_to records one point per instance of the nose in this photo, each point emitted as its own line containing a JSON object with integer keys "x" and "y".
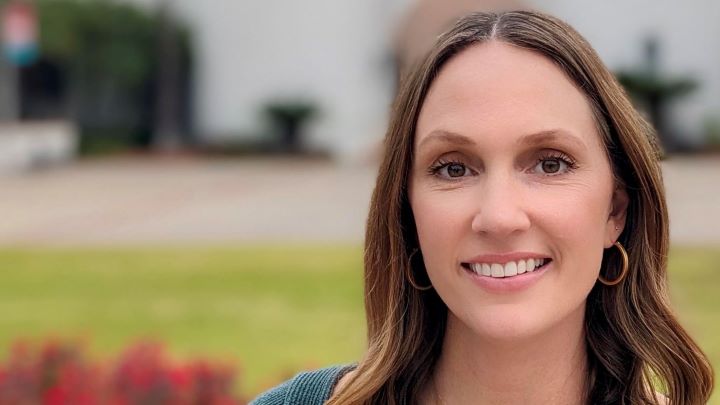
{"x": 501, "y": 210}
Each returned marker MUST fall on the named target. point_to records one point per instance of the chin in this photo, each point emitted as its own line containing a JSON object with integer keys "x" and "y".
{"x": 505, "y": 325}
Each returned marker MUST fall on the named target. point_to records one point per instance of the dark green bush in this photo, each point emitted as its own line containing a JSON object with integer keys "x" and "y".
{"x": 108, "y": 55}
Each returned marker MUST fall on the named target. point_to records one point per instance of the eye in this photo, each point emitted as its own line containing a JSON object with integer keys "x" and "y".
{"x": 554, "y": 164}
{"x": 449, "y": 169}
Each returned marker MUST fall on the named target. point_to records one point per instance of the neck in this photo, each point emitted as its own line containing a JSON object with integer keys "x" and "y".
{"x": 546, "y": 368}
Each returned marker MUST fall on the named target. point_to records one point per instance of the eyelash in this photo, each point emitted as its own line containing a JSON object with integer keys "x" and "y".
{"x": 570, "y": 162}
{"x": 441, "y": 164}
{"x": 556, "y": 155}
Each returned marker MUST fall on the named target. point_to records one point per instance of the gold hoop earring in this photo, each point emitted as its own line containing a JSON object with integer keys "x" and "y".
{"x": 626, "y": 265}
{"x": 408, "y": 274}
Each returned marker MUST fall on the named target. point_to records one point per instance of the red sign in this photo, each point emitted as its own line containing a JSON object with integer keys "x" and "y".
{"x": 20, "y": 31}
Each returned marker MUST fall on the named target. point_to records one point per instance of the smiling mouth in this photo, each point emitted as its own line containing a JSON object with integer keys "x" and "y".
{"x": 509, "y": 269}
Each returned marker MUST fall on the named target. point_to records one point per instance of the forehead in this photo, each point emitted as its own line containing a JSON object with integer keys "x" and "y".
{"x": 497, "y": 91}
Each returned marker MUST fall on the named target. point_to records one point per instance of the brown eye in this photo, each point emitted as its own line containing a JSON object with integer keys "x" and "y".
{"x": 456, "y": 170}
{"x": 452, "y": 170}
{"x": 551, "y": 166}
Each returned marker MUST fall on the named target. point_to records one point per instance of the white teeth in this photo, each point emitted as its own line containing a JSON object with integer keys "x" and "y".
{"x": 521, "y": 266}
{"x": 511, "y": 269}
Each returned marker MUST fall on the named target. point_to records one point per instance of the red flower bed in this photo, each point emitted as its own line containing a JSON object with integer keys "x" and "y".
{"x": 58, "y": 374}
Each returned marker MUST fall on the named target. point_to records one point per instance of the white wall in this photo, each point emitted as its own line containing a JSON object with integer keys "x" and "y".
{"x": 333, "y": 51}
{"x": 30, "y": 145}
{"x": 249, "y": 51}
{"x": 689, "y": 35}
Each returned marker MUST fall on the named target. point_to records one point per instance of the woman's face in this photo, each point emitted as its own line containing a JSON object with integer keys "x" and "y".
{"x": 509, "y": 172}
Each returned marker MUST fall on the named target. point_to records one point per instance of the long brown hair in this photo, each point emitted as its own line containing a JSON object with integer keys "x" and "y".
{"x": 635, "y": 344}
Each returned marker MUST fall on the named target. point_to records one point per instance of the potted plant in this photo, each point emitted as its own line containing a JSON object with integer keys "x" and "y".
{"x": 287, "y": 117}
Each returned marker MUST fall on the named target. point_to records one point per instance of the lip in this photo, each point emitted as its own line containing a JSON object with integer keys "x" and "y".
{"x": 503, "y": 258}
{"x": 508, "y": 284}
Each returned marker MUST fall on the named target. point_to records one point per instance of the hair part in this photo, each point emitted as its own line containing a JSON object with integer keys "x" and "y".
{"x": 635, "y": 344}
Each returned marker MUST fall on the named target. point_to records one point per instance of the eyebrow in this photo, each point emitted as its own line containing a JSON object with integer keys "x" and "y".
{"x": 440, "y": 135}
{"x": 552, "y": 135}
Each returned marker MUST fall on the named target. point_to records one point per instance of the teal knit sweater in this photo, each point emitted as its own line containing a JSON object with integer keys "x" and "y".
{"x": 307, "y": 388}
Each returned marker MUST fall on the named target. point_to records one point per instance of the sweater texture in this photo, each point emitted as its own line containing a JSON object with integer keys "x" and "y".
{"x": 306, "y": 388}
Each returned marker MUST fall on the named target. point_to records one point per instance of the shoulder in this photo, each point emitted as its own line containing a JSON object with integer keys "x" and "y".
{"x": 309, "y": 387}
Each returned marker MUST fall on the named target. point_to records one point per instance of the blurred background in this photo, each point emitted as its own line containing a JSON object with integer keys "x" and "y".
{"x": 184, "y": 183}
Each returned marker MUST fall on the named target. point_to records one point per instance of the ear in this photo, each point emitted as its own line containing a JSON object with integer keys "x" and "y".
{"x": 618, "y": 214}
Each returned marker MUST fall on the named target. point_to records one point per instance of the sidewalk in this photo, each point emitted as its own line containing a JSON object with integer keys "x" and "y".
{"x": 137, "y": 201}
{"x": 693, "y": 194}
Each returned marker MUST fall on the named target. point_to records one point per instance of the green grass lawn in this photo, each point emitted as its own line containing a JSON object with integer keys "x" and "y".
{"x": 271, "y": 310}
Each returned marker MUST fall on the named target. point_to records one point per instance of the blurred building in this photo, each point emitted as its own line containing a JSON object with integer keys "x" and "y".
{"x": 343, "y": 56}
{"x": 422, "y": 20}
{"x": 335, "y": 54}
{"x": 688, "y": 38}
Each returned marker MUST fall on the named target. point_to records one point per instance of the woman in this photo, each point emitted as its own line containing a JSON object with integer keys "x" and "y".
{"x": 517, "y": 240}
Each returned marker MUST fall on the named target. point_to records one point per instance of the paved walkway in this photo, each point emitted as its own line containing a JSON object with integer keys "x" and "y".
{"x": 693, "y": 194}
{"x": 136, "y": 201}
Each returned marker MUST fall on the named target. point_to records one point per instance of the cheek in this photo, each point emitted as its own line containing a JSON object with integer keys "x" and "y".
{"x": 575, "y": 217}
{"x": 574, "y": 224}
{"x": 440, "y": 226}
